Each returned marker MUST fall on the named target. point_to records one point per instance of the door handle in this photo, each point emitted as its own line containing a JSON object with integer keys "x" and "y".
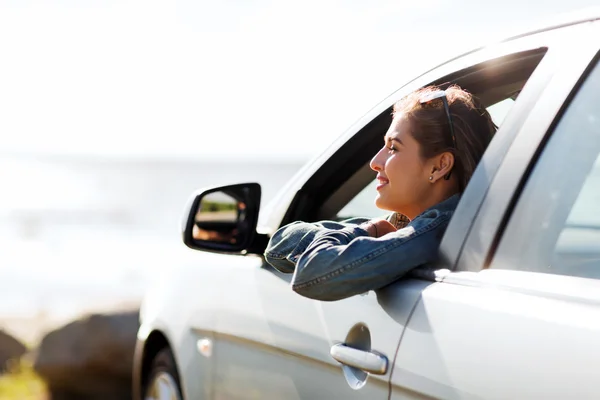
{"x": 367, "y": 361}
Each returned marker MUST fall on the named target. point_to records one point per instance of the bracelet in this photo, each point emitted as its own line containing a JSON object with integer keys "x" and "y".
{"x": 374, "y": 227}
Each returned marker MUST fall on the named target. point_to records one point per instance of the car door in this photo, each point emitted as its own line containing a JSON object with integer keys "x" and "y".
{"x": 304, "y": 332}
{"x": 519, "y": 317}
{"x": 271, "y": 343}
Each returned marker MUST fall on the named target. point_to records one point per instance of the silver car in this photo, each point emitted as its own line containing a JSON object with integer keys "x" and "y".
{"x": 513, "y": 311}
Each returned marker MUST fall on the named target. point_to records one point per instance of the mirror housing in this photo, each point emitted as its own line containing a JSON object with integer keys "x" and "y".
{"x": 223, "y": 219}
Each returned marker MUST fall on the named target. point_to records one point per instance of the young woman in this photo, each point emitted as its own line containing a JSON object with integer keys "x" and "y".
{"x": 430, "y": 152}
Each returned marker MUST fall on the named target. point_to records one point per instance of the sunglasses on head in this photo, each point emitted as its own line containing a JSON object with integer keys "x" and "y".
{"x": 440, "y": 95}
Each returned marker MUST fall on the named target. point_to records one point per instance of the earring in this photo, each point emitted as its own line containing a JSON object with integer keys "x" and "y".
{"x": 430, "y": 177}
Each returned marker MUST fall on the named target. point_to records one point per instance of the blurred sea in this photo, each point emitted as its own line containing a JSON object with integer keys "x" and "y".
{"x": 90, "y": 234}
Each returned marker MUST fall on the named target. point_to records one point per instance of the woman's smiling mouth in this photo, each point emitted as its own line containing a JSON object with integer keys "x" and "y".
{"x": 382, "y": 182}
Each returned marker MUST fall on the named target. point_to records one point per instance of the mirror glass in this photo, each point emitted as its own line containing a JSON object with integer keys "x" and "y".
{"x": 219, "y": 218}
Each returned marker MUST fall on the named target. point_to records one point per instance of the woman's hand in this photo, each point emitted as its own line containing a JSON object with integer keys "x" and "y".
{"x": 378, "y": 227}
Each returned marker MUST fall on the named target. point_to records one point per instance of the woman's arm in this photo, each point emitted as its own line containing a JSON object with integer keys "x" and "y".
{"x": 341, "y": 263}
{"x": 290, "y": 241}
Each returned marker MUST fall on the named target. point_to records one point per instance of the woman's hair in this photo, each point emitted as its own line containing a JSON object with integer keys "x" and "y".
{"x": 473, "y": 127}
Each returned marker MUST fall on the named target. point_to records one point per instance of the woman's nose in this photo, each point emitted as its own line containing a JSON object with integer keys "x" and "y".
{"x": 376, "y": 163}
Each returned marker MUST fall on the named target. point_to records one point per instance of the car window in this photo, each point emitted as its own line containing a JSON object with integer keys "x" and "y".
{"x": 363, "y": 204}
{"x": 499, "y": 110}
{"x": 555, "y": 225}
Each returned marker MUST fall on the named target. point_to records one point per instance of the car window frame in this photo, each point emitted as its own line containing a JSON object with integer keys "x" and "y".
{"x": 541, "y": 241}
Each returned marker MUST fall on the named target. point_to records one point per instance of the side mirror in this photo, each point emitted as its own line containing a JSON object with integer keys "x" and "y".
{"x": 222, "y": 219}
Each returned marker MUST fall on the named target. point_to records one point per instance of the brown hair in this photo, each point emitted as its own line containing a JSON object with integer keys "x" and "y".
{"x": 473, "y": 127}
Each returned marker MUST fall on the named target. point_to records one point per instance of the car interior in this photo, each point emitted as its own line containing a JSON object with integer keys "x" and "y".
{"x": 334, "y": 191}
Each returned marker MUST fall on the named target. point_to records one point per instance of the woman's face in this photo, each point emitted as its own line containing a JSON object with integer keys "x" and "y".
{"x": 402, "y": 174}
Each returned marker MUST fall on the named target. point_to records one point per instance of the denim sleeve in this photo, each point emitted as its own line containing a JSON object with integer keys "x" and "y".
{"x": 289, "y": 242}
{"x": 340, "y": 263}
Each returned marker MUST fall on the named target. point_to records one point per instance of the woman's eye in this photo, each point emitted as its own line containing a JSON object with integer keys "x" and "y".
{"x": 391, "y": 148}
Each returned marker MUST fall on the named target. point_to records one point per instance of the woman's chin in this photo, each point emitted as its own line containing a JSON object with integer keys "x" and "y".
{"x": 380, "y": 202}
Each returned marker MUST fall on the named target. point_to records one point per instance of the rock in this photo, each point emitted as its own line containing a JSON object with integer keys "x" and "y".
{"x": 91, "y": 358}
{"x": 10, "y": 349}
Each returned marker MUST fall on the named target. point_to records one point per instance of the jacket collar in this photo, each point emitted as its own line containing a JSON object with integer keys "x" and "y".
{"x": 448, "y": 205}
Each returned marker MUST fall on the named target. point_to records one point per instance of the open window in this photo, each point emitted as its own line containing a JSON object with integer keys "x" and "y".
{"x": 340, "y": 188}
{"x": 497, "y": 83}
{"x": 363, "y": 205}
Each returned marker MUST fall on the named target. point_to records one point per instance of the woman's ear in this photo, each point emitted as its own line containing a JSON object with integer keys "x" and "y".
{"x": 443, "y": 166}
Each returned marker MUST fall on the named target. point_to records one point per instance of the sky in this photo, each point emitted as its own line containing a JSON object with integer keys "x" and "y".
{"x": 227, "y": 78}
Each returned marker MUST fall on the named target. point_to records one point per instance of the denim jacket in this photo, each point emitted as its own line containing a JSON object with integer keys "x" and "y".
{"x": 335, "y": 260}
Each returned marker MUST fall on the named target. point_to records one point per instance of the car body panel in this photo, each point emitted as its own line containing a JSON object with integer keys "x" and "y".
{"x": 184, "y": 305}
{"x": 483, "y": 337}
